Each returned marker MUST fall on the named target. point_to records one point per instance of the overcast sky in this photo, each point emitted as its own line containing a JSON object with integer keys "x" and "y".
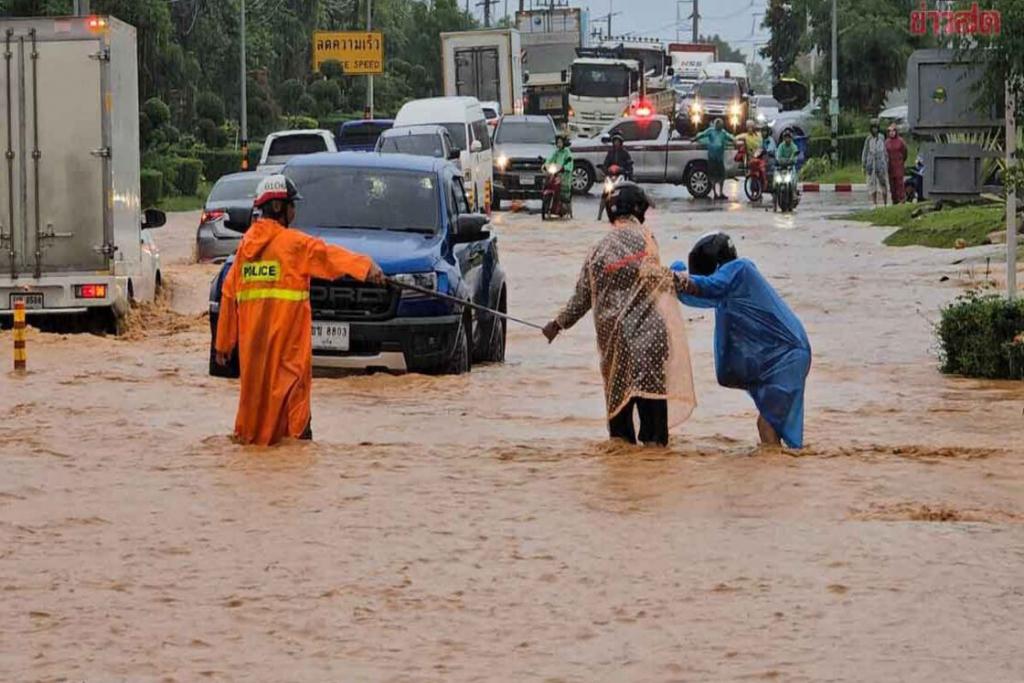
{"x": 733, "y": 19}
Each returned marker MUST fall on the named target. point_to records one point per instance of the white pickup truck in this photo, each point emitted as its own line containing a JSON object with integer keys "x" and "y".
{"x": 659, "y": 155}
{"x": 282, "y": 146}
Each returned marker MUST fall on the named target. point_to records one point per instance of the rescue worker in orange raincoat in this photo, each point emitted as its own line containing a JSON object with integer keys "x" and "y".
{"x": 265, "y": 311}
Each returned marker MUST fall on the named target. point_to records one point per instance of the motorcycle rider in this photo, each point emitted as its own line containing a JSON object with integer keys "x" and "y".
{"x": 752, "y": 141}
{"x": 562, "y": 158}
{"x": 769, "y": 147}
{"x": 619, "y": 156}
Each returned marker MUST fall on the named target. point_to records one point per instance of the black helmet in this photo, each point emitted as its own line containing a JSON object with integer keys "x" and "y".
{"x": 564, "y": 137}
{"x": 627, "y": 199}
{"x": 617, "y": 137}
{"x": 711, "y": 251}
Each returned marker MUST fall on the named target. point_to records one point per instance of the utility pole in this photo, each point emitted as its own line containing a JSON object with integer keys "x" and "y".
{"x": 696, "y": 21}
{"x": 244, "y": 112}
{"x": 81, "y": 8}
{"x": 486, "y": 4}
{"x": 833, "y": 106}
{"x": 1011, "y": 195}
{"x": 368, "y": 113}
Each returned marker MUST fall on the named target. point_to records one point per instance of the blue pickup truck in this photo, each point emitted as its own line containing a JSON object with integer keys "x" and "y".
{"x": 411, "y": 216}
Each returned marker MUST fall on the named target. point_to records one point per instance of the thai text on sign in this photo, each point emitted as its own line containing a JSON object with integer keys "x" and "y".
{"x": 973, "y": 21}
{"x": 359, "y": 52}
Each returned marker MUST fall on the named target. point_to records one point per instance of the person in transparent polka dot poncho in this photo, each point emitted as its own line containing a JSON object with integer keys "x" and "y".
{"x": 641, "y": 336}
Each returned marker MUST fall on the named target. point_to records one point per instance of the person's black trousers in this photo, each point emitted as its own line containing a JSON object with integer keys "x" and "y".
{"x": 653, "y": 422}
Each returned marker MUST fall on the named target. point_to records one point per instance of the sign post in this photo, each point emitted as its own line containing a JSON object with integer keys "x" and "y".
{"x": 361, "y": 53}
{"x": 1011, "y": 195}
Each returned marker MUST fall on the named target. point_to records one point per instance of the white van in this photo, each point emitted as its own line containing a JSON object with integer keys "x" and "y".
{"x": 464, "y": 118}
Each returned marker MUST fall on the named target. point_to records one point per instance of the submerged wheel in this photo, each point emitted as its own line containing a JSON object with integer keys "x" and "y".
{"x": 495, "y": 352}
{"x": 698, "y": 183}
{"x": 582, "y": 178}
{"x": 459, "y": 362}
{"x": 752, "y": 188}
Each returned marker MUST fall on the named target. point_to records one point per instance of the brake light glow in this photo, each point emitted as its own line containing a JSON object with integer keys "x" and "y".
{"x": 643, "y": 111}
{"x": 90, "y": 291}
{"x": 96, "y": 24}
{"x": 211, "y": 215}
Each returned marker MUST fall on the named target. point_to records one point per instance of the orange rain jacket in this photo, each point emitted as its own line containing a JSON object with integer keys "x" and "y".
{"x": 264, "y": 308}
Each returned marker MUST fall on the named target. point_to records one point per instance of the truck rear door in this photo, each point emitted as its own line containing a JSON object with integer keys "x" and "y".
{"x": 55, "y": 167}
{"x": 477, "y": 73}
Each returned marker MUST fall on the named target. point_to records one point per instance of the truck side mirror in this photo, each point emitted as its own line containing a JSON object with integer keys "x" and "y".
{"x": 454, "y": 154}
{"x": 477, "y": 146}
{"x": 526, "y": 77}
{"x": 469, "y": 227}
{"x": 670, "y": 71}
{"x": 605, "y": 139}
{"x": 153, "y": 218}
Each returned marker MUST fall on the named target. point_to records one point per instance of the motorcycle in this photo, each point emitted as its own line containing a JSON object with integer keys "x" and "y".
{"x": 613, "y": 176}
{"x": 913, "y": 182}
{"x": 784, "y": 190}
{"x": 755, "y": 183}
{"x": 551, "y": 204}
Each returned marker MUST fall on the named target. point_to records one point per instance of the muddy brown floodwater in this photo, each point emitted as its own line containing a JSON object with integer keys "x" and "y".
{"x": 480, "y": 528}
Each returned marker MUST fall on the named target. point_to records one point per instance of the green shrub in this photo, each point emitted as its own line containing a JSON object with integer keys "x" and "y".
{"x": 167, "y": 164}
{"x": 220, "y": 162}
{"x": 850, "y": 147}
{"x": 299, "y": 122}
{"x": 289, "y": 93}
{"x": 307, "y": 106}
{"x": 209, "y": 105}
{"x": 815, "y": 168}
{"x": 152, "y": 187}
{"x": 171, "y": 134}
{"x": 158, "y": 112}
{"x": 327, "y": 95}
{"x": 190, "y": 172}
{"x": 983, "y": 336}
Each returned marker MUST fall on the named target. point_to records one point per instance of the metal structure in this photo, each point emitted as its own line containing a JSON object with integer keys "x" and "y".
{"x": 942, "y": 94}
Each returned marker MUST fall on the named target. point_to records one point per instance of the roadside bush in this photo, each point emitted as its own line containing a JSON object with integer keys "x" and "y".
{"x": 210, "y": 106}
{"x": 306, "y": 106}
{"x": 815, "y": 168}
{"x": 327, "y": 95}
{"x": 211, "y": 134}
{"x": 850, "y": 147}
{"x": 152, "y": 186}
{"x": 983, "y": 336}
{"x": 157, "y": 112}
{"x": 190, "y": 172}
{"x": 220, "y": 162}
{"x": 299, "y": 122}
{"x": 289, "y": 93}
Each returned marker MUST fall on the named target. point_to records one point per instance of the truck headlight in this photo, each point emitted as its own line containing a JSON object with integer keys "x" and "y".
{"x": 761, "y": 118}
{"x": 735, "y": 109}
{"x": 696, "y": 109}
{"x": 501, "y": 162}
{"x": 421, "y": 280}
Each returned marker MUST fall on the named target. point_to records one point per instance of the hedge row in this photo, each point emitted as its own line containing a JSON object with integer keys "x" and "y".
{"x": 850, "y": 147}
{"x": 983, "y": 336}
{"x": 152, "y": 187}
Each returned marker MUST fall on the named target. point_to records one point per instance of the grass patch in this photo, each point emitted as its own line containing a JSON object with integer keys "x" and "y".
{"x": 939, "y": 229}
{"x": 848, "y": 173}
{"x": 187, "y": 203}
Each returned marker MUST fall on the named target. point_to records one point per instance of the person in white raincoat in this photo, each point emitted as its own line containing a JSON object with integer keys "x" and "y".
{"x": 645, "y": 359}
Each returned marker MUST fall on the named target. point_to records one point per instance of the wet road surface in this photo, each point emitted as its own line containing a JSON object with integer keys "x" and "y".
{"x": 480, "y": 527}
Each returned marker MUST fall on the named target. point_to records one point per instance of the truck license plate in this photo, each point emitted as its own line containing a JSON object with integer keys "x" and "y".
{"x": 33, "y": 300}
{"x": 550, "y": 102}
{"x": 330, "y": 336}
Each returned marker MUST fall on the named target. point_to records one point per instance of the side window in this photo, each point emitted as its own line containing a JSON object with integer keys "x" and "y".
{"x": 481, "y": 133}
{"x": 459, "y": 196}
{"x": 628, "y": 131}
{"x": 651, "y": 131}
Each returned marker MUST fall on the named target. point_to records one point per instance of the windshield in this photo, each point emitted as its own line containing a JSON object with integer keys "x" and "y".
{"x": 458, "y": 133}
{"x": 717, "y": 91}
{"x": 599, "y": 80}
{"x": 235, "y": 189}
{"x": 360, "y": 134}
{"x": 653, "y": 60}
{"x": 525, "y": 132}
{"x": 421, "y": 145}
{"x": 367, "y": 198}
{"x": 283, "y": 148}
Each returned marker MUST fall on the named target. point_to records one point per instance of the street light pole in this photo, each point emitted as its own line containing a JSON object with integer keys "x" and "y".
{"x": 369, "y": 79}
{"x": 1011, "y": 195}
{"x": 244, "y": 116}
{"x": 81, "y": 8}
{"x": 834, "y": 102}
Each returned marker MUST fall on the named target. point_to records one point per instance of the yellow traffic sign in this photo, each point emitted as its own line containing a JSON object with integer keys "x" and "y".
{"x": 360, "y": 52}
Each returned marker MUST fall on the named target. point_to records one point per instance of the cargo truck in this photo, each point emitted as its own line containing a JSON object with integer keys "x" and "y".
{"x": 487, "y": 65}
{"x": 71, "y": 218}
{"x": 688, "y": 61}
{"x": 550, "y": 37}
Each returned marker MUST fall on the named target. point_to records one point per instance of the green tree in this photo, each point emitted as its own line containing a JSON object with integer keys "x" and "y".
{"x": 210, "y": 106}
{"x": 787, "y": 22}
{"x": 1001, "y": 56}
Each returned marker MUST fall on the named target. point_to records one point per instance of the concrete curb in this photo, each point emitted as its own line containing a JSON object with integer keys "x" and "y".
{"x": 830, "y": 187}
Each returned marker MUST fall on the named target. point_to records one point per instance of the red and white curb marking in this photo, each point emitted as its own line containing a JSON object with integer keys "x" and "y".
{"x": 836, "y": 187}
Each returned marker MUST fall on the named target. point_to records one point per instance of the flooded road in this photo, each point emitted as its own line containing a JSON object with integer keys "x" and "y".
{"x": 481, "y": 528}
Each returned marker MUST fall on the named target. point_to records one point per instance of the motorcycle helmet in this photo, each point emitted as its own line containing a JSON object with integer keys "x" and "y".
{"x": 711, "y": 251}
{"x": 564, "y": 137}
{"x": 627, "y": 199}
{"x": 617, "y": 137}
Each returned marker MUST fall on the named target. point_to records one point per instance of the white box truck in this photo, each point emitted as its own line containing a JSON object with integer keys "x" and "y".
{"x": 550, "y": 37}
{"x": 71, "y": 218}
{"x": 487, "y": 65}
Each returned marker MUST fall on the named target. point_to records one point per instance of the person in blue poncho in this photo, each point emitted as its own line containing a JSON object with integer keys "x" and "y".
{"x": 760, "y": 345}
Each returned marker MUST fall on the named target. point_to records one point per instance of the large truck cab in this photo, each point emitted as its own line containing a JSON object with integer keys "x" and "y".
{"x": 600, "y": 90}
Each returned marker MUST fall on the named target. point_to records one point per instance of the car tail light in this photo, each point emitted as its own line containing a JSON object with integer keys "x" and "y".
{"x": 90, "y": 291}
{"x": 211, "y": 215}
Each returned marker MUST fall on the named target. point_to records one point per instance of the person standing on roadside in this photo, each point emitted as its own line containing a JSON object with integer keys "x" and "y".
{"x": 876, "y": 164}
{"x": 896, "y": 153}
{"x": 265, "y": 312}
{"x": 716, "y": 138}
{"x": 641, "y": 336}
